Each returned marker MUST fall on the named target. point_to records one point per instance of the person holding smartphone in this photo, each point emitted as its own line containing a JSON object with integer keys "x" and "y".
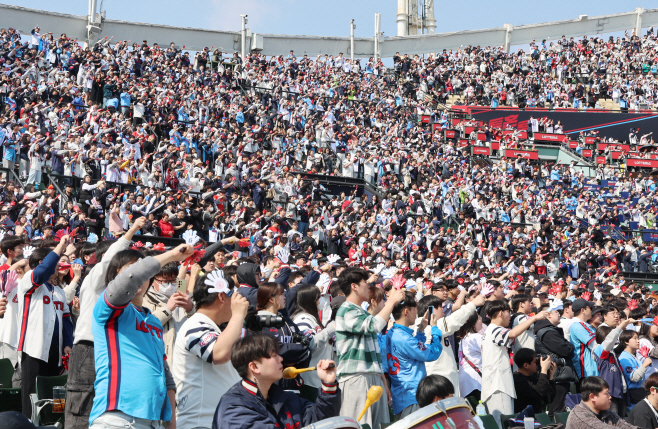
{"x": 407, "y": 353}
{"x": 171, "y": 306}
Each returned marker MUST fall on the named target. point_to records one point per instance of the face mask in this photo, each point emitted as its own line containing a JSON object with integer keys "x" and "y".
{"x": 167, "y": 289}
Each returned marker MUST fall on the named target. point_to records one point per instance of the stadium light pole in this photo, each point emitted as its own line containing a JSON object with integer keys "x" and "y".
{"x": 352, "y": 27}
{"x": 244, "y": 36}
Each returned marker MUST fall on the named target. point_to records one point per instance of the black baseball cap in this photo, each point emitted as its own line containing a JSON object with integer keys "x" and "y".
{"x": 580, "y": 303}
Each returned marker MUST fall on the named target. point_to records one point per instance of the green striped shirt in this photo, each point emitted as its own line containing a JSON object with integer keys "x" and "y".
{"x": 356, "y": 340}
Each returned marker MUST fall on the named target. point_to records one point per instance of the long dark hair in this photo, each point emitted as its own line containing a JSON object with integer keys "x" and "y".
{"x": 469, "y": 326}
{"x": 645, "y": 332}
{"x": 307, "y": 296}
{"x": 119, "y": 261}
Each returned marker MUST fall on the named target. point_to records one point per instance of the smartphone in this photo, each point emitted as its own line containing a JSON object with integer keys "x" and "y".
{"x": 430, "y": 308}
{"x": 182, "y": 286}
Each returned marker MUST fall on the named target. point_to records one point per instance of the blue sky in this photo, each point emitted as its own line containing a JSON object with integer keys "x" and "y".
{"x": 331, "y": 18}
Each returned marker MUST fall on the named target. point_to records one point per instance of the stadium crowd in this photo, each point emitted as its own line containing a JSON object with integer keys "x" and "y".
{"x": 426, "y": 292}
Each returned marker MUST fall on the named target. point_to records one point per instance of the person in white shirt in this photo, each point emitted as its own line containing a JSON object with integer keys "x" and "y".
{"x": 498, "y": 391}
{"x": 566, "y": 319}
{"x": 446, "y": 365}
{"x": 470, "y": 352}
{"x": 202, "y": 365}
{"x": 521, "y": 308}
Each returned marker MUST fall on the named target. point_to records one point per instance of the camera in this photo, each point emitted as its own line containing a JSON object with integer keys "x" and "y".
{"x": 269, "y": 321}
{"x": 559, "y": 362}
{"x": 300, "y": 338}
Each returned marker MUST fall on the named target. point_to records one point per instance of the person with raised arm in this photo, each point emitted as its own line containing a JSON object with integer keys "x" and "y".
{"x": 46, "y": 330}
{"x": 134, "y": 386}
{"x": 80, "y": 382}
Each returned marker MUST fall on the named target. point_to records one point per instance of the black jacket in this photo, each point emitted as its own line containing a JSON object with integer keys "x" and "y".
{"x": 243, "y": 406}
{"x": 643, "y": 416}
{"x": 536, "y": 390}
{"x": 549, "y": 340}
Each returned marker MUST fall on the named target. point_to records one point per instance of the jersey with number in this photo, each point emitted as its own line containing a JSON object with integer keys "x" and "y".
{"x": 582, "y": 336}
{"x": 129, "y": 354}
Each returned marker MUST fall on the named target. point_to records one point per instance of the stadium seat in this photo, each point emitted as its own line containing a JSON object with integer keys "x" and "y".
{"x": 561, "y": 417}
{"x": 6, "y": 373}
{"x": 543, "y": 419}
{"x": 10, "y": 399}
{"x": 473, "y": 401}
{"x": 504, "y": 420}
{"x": 42, "y": 408}
{"x": 489, "y": 422}
{"x": 309, "y": 393}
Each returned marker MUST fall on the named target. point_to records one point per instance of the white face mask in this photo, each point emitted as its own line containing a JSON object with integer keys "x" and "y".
{"x": 167, "y": 289}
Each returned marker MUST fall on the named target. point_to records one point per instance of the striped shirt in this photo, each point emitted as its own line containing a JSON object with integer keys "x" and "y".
{"x": 496, "y": 366}
{"x": 356, "y": 340}
{"x": 199, "y": 383}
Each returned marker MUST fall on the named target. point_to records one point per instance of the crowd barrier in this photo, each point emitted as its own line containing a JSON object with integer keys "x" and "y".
{"x": 61, "y": 181}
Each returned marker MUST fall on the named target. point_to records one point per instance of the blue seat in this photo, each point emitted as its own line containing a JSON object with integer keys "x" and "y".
{"x": 634, "y": 225}
{"x": 625, "y": 195}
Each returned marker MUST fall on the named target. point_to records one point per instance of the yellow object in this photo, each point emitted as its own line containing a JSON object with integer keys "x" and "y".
{"x": 291, "y": 372}
{"x": 373, "y": 395}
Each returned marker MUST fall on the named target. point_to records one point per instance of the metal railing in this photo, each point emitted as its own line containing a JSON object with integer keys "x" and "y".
{"x": 6, "y": 172}
{"x": 60, "y": 180}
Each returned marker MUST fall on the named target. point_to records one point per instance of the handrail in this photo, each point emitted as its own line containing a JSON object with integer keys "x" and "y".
{"x": 16, "y": 180}
{"x": 77, "y": 182}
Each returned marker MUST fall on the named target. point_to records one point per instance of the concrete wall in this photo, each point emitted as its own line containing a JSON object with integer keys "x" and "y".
{"x": 24, "y": 19}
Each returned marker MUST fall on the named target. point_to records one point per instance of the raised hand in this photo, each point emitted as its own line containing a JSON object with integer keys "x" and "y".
{"x": 398, "y": 281}
{"x": 283, "y": 255}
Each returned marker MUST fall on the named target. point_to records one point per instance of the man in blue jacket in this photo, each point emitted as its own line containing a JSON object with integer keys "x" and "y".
{"x": 407, "y": 354}
{"x": 258, "y": 402}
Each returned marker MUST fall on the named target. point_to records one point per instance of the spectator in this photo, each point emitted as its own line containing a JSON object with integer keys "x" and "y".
{"x": 634, "y": 371}
{"x": 497, "y": 379}
{"x": 532, "y": 389}
{"x": 307, "y": 319}
{"x": 594, "y": 409}
{"x": 41, "y": 355}
{"x": 470, "y": 349}
{"x": 609, "y": 367}
{"x": 118, "y": 398}
{"x": 550, "y": 341}
{"x": 171, "y": 306}
{"x": 254, "y": 401}
{"x": 408, "y": 353}
{"x": 433, "y": 388}
{"x": 202, "y": 368}
{"x": 82, "y": 376}
{"x": 359, "y": 359}
{"x": 644, "y": 413}
{"x": 582, "y": 336}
